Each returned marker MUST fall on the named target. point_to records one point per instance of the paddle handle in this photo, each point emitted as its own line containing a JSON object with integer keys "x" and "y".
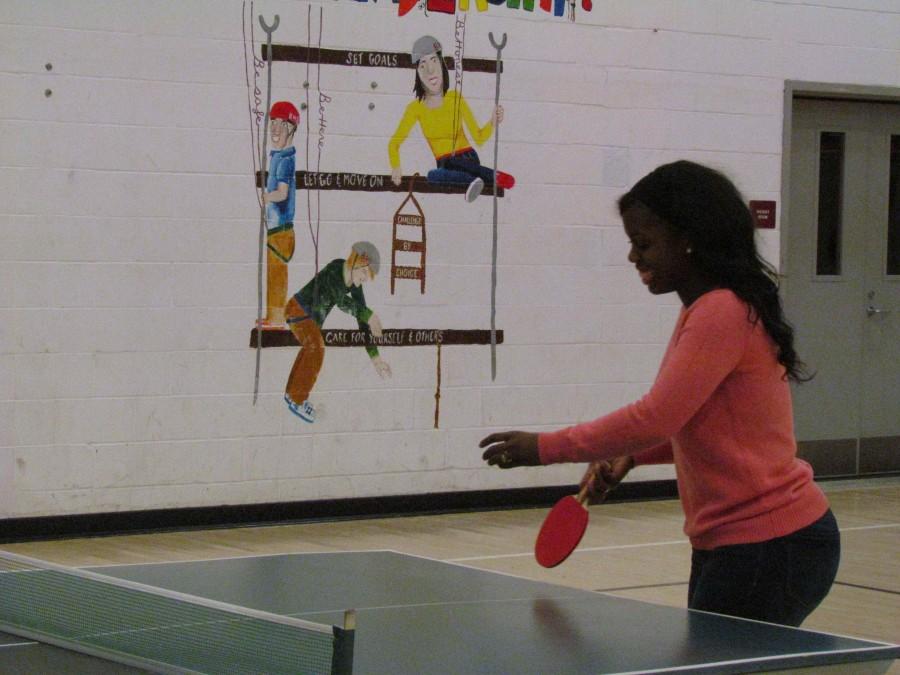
{"x": 583, "y": 492}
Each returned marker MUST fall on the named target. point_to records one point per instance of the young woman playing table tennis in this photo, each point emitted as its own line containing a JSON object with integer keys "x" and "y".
{"x": 765, "y": 544}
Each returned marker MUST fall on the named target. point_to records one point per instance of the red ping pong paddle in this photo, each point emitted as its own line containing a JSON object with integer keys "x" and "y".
{"x": 563, "y": 527}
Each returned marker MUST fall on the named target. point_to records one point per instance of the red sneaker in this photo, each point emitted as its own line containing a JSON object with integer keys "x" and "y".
{"x": 505, "y": 180}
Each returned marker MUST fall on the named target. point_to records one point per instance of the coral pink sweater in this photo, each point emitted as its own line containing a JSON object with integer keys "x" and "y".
{"x": 720, "y": 408}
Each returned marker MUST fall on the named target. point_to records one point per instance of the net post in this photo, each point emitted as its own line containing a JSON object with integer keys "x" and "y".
{"x": 342, "y": 654}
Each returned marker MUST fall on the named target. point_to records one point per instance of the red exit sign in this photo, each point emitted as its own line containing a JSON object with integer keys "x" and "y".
{"x": 763, "y": 214}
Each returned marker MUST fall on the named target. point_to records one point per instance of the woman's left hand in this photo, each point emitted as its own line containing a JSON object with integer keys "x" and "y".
{"x": 498, "y": 115}
{"x": 509, "y": 449}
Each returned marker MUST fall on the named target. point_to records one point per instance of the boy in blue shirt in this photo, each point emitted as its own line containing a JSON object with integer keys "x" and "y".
{"x": 280, "y": 197}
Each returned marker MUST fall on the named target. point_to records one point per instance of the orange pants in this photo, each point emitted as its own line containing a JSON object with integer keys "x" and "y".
{"x": 308, "y": 363}
{"x": 279, "y": 251}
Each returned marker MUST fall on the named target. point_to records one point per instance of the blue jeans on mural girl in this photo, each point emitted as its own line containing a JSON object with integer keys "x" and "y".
{"x": 465, "y": 168}
{"x": 462, "y": 168}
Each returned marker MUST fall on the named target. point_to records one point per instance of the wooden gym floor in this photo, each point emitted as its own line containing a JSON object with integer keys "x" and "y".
{"x": 634, "y": 549}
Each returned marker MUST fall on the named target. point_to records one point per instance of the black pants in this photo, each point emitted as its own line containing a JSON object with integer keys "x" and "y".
{"x": 780, "y": 581}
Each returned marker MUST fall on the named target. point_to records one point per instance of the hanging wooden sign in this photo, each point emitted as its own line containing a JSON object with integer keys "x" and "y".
{"x": 404, "y": 245}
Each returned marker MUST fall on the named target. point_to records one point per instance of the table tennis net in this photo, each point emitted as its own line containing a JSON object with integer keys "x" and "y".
{"x": 159, "y": 630}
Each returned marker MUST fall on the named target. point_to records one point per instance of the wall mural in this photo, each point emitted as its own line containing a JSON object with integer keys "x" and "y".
{"x": 404, "y": 245}
{"x": 447, "y": 123}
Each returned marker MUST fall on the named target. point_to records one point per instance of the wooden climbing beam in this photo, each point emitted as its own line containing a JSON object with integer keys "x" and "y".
{"x": 365, "y": 182}
{"x": 391, "y": 337}
{"x": 370, "y": 59}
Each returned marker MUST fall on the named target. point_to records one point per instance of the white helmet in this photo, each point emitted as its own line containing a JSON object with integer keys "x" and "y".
{"x": 367, "y": 250}
{"x": 424, "y": 46}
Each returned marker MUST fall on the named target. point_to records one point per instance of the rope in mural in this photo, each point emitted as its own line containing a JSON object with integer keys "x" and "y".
{"x": 254, "y": 101}
{"x": 254, "y": 94}
{"x": 494, "y": 234}
{"x": 459, "y": 38}
{"x": 269, "y": 30}
{"x": 314, "y": 234}
{"x": 309, "y": 217}
{"x": 437, "y": 391}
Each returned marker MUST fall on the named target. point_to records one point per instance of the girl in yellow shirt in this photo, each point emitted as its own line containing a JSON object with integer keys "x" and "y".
{"x": 441, "y": 115}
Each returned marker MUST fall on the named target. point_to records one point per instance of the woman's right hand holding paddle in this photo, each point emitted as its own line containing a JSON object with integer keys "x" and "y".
{"x": 601, "y": 477}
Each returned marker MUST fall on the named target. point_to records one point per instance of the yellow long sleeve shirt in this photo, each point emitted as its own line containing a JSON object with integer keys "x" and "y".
{"x": 438, "y": 127}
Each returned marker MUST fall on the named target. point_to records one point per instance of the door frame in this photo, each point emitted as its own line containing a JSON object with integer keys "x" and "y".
{"x": 826, "y": 457}
{"x": 823, "y": 90}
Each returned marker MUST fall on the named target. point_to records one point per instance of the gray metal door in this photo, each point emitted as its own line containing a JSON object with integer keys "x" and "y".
{"x": 842, "y": 282}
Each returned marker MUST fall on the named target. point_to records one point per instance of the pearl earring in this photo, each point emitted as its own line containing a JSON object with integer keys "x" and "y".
{"x": 689, "y": 250}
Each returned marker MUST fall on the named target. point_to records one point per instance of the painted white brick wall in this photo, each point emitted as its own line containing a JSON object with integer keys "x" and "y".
{"x": 128, "y": 235}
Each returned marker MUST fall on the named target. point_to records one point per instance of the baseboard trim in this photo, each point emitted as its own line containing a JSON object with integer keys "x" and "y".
{"x": 13, "y": 530}
{"x": 40, "y": 528}
{"x": 850, "y": 457}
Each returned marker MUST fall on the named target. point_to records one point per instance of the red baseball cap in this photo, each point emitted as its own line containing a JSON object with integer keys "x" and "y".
{"x": 285, "y": 110}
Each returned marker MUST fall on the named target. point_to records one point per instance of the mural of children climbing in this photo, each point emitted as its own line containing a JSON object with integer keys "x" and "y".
{"x": 280, "y": 198}
{"x": 441, "y": 115}
{"x": 339, "y": 284}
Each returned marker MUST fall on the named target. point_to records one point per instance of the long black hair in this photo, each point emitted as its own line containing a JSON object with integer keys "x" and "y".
{"x": 705, "y": 206}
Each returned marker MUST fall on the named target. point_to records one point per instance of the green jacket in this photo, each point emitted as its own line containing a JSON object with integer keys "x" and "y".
{"x": 328, "y": 289}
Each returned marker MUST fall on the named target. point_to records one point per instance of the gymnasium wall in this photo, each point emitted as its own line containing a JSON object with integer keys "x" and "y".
{"x": 130, "y": 232}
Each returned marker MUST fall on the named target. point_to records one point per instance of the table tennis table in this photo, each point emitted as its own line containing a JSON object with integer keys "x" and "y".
{"x": 423, "y": 616}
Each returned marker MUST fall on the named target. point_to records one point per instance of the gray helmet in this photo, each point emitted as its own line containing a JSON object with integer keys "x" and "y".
{"x": 424, "y": 46}
{"x": 367, "y": 249}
